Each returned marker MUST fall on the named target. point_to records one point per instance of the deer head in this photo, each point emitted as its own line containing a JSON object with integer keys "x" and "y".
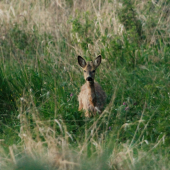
{"x": 89, "y": 68}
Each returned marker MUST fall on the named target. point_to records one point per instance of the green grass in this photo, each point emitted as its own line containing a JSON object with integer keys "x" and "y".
{"x": 40, "y": 80}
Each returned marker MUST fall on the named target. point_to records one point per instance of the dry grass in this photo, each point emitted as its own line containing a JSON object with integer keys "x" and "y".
{"x": 53, "y": 17}
{"x": 42, "y": 146}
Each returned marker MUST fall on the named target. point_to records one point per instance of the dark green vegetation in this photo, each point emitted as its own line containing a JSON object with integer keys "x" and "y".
{"x": 40, "y": 81}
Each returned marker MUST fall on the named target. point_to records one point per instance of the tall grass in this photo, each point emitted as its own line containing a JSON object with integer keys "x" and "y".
{"x": 41, "y": 127}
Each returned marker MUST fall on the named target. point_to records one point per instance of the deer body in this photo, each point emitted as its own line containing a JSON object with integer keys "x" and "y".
{"x": 92, "y": 97}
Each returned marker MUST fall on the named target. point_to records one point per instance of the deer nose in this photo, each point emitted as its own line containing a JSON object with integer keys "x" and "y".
{"x": 89, "y": 79}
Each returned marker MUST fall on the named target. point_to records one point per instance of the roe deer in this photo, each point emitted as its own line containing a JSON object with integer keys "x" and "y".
{"x": 91, "y": 98}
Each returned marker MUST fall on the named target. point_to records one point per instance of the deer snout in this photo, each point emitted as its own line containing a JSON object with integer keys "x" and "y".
{"x": 89, "y": 79}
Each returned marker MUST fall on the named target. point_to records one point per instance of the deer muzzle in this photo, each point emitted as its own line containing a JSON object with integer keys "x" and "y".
{"x": 89, "y": 79}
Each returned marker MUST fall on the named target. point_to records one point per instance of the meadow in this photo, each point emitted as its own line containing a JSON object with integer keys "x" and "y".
{"x": 40, "y": 125}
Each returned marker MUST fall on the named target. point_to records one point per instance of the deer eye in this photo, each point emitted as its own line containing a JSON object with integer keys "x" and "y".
{"x": 84, "y": 70}
{"x": 93, "y": 71}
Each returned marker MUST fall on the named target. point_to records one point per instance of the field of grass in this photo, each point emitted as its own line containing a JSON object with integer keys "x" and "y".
{"x": 40, "y": 125}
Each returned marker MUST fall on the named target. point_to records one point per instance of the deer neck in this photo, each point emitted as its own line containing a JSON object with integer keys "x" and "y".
{"x": 91, "y": 93}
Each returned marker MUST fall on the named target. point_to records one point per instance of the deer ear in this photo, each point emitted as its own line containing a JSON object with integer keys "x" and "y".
{"x": 81, "y": 61}
{"x": 97, "y": 61}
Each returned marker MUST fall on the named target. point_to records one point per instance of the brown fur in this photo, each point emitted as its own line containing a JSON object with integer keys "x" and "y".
{"x": 91, "y": 98}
